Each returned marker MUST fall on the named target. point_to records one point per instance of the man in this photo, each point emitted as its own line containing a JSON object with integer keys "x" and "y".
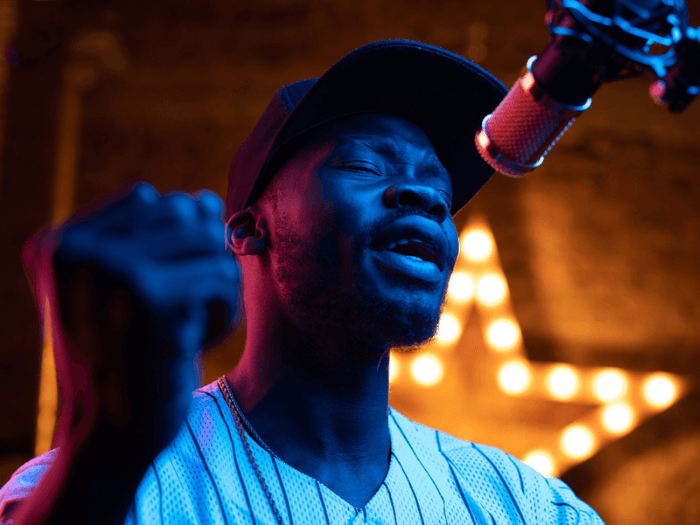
{"x": 339, "y": 213}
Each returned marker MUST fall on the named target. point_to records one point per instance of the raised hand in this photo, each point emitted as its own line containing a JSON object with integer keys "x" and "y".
{"x": 144, "y": 283}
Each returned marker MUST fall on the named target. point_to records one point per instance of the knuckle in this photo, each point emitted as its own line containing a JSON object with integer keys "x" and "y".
{"x": 145, "y": 192}
{"x": 210, "y": 203}
{"x": 180, "y": 207}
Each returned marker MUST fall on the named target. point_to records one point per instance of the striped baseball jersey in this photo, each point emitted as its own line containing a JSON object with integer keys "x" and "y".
{"x": 205, "y": 477}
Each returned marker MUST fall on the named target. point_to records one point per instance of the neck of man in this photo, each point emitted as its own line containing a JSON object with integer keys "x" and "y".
{"x": 320, "y": 404}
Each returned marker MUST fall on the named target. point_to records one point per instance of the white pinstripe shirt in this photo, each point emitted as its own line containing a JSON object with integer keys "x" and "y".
{"x": 204, "y": 477}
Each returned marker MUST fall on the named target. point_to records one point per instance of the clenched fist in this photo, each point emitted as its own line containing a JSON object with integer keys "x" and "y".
{"x": 143, "y": 282}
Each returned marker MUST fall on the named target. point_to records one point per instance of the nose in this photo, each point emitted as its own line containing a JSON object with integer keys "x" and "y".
{"x": 417, "y": 196}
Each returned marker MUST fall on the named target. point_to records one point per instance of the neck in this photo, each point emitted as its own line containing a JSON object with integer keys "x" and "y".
{"x": 333, "y": 409}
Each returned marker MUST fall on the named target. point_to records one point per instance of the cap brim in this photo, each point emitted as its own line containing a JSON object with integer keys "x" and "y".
{"x": 439, "y": 91}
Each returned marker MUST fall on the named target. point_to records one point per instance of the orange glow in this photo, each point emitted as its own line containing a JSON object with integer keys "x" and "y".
{"x": 660, "y": 391}
{"x": 609, "y": 385}
{"x": 617, "y": 418}
{"x": 393, "y": 368}
{"x": 477, "y": 245}
{"x": 562, "y": 382}
{"x": 502, "y": 334}
{"x": 541, "y": 461}
{"x": 461, "y": 286}
{"x": 449, "y": 329}
{"x": 491, "y": 289}
{"x": 514, "y": 377}
{"x": 427, "y": 370}
{"x": 577, "y": 441}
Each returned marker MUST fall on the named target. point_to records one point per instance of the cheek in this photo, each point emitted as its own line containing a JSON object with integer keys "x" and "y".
{"x": 453, "y": 240}
{"x": 300, "y": 202}
{"x": 303, "y": 200}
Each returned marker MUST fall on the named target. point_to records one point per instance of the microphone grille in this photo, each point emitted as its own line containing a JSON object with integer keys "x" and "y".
{"x": 523, "y": 128}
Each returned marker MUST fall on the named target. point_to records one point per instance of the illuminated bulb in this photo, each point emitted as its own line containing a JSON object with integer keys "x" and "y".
{"x": 541, "y": 462}
{"x": 491, "y": 289}
{"x": 393, "y": 368}
{"x": 514, "y": 378}
{"x": 617, "y": 418}
{"x": 659, "y": 391}
{"x": 461, "y": 286}
{"x": 448, "y": 329}
{"x": 477, "y": 245}
{"x": 609, "y": 385}
{"x": 563, "y": 382}
{"x": 427, "y": 370}
{"x": 577, "y": 441}
{"x": 502, "y": 335}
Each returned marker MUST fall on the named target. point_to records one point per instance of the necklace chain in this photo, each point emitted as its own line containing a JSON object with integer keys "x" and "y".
{"x": 237, "y": 417}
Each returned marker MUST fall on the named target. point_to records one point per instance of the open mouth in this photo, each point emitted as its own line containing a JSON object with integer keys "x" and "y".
{"x": 410, "y": 258}
{"x": 412, "y": 247}
{"x": 416, "y": 250}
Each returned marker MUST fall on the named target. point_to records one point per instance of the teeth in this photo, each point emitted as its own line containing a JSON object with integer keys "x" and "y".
{"x": 400, "y": 242}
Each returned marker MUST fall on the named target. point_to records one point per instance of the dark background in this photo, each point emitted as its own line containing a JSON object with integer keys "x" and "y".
{"x": 600, "y": 246}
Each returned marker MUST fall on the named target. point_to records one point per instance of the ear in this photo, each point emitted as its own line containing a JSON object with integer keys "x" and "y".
{"x": 248, "y": 236}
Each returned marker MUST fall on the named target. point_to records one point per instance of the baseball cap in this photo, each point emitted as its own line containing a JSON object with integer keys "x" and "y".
{"x": 444, "y": 94}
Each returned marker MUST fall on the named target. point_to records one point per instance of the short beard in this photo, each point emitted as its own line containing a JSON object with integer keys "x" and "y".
{"x": 309, "y": 283}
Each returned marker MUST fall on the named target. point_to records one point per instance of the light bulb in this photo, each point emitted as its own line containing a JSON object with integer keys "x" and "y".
{"x": 477, "y": 245}
{"x": 427, "y": 370}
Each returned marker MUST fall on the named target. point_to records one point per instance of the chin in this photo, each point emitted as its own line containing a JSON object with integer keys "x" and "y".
{"x": 401, "y": 336}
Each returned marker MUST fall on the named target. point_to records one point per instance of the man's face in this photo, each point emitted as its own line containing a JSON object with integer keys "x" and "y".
{"x": 346, "y": 204}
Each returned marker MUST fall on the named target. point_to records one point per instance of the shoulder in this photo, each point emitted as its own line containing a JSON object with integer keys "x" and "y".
{"x": 206, "y": 397}
{"x": 23, "y": 482}
{"x": 430, "y": 440}
{"x": 204, "y": 427}
{"x": 498, "y": 481}
{"x": 534, "y": 496}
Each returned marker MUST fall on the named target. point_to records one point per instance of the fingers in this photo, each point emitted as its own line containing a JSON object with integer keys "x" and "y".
{"x": 136, "y": 204}
{"x": 144, "y": 210}
{"x": 210, "y": 204}
{"x": 123, "y": 202}
{"x": 178, "y": 208}
{"x": 204, "y": 204}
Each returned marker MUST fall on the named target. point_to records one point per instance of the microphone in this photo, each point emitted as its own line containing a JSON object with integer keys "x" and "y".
{"x": 592, "y": 42}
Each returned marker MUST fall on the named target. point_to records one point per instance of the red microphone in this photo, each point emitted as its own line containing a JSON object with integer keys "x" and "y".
{"x": 515, "y": 138}
{"x": 593, "y": 41}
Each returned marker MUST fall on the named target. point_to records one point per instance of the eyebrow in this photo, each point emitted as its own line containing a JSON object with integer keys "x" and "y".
{"x": 387, "y": 146}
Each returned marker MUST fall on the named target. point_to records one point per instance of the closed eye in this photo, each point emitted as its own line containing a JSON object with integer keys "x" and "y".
{"x": 357, "y": 166}
{"x": 448, "y": 199}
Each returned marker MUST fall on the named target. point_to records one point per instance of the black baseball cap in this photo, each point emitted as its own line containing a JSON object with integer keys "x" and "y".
{"x": 444, "y": 94}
